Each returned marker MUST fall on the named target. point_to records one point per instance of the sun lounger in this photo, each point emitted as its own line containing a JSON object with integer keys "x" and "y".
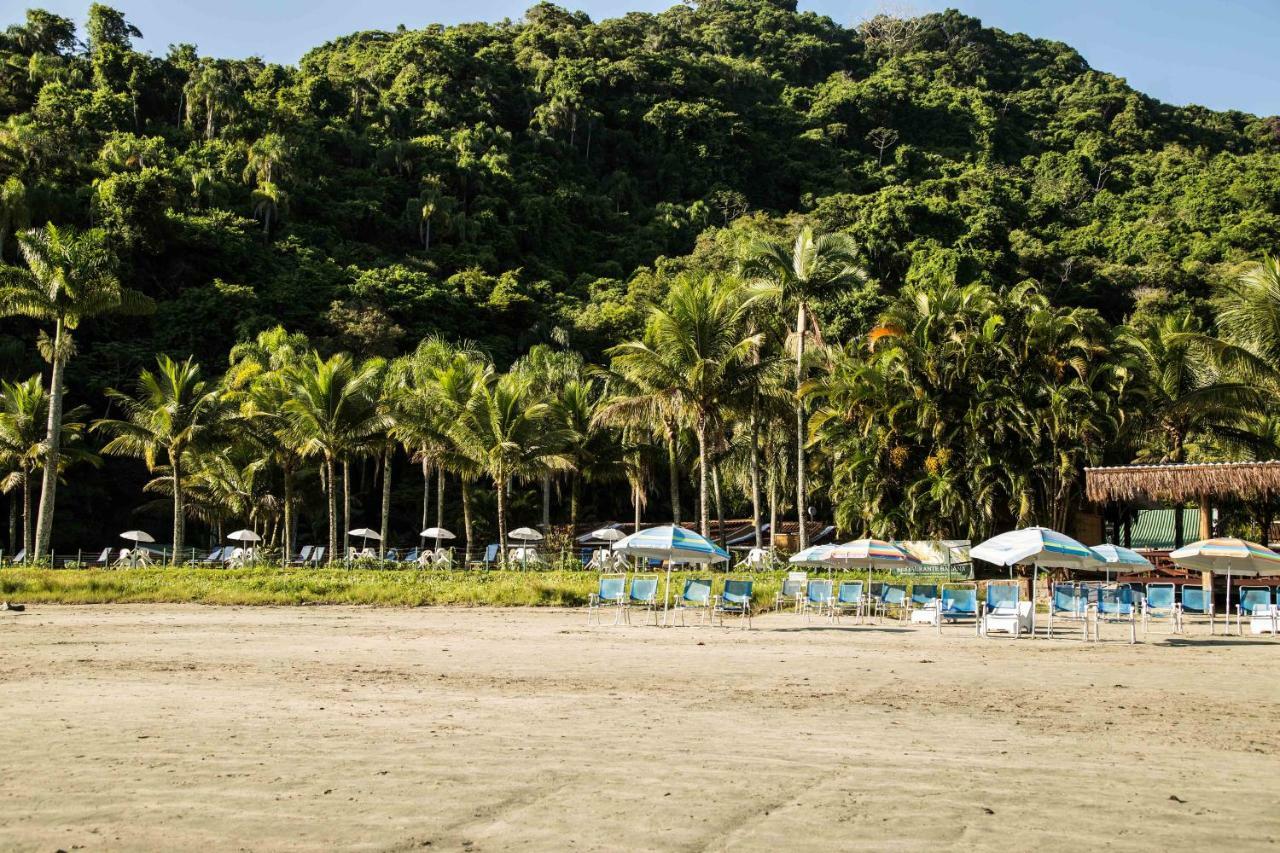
{"x": 819, "y": 597}
{"x": 1069, "y": 602}
{"x": 1250, "y": 599}
{"x": 317, "y": 556}
{"x": 1115, "y": 605}
{"x": 695, "y": 596}
{"x": 104, "y": 559}
{"x": 611, "y": 593}
{"x": 1161, "y": 603}
{"x": 923, "y": 603}
{"x": 490, "y": 557}
{"x": 1196, "y": 602}
{"x": 893, "y": 596}
{"x": 792, "y": 592}
{"x": 1265, "y": 619}
{"x": 20, "y": 557}
{"x": 956, "y": 602}
{"x": 1004, "y": 611}
{"x": 849, "y": 599}
{"x": 734, "y": 600}
{"x": 303, "y": 556}
{"x": 642, "y": 596}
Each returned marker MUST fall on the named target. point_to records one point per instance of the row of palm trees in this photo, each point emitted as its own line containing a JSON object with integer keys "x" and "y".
{"x": 964, "y": 410}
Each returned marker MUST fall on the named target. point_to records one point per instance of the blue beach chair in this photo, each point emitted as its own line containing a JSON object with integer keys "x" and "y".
{"x": 1161, "y": 603}
{"x": 849, "y": 598}
{"x": 695, "y": 596}
{"x": 1069, "y": 602}
{"x": 643, "y": 596}
{"x": 819, "y": 596}
{"x": 734, "y": 600}
{"x": 892, "y": 596}
{"x": 958, "y": 602}
{"x": 1251, "y": 599}
{"x": 611, "y": 593}
{"x": 1004, "y": 611}
{"x": 1115, "y": 605}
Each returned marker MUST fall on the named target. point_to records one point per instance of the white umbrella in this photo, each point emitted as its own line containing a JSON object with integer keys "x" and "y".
{"x": 606, "y": 534}
{"x": 137, "y": 536}
{"x": 525, "y": 534}
{"x": 1225, "y": 553}
{"x": 365, "y": 535}
{"x": 673, "y": 544}
{"x": 437, "y": 533}
{"x": 815, "y": 556}
{"x": 1118, "y": 555}
{"x": 244, "y": 536}
{"x": 1038, "y": 546}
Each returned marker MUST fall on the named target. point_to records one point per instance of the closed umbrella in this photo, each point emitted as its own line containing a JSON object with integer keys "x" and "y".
{"x": 674, "y": 545}
{"x": 1038, "y": 546}
{"x": 1226, "y": 553}
{"x": 871, "y": 554}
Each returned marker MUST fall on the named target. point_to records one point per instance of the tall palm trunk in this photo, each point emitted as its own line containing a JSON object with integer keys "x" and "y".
{"x": 346, "y": 508}
{"x": 465, "y": 488}
{"x": 52, "y": 444}
{"x": 179, "y": 510}
{"x": 28, "y": 529}
{"x": 773, "y": 506}
{"x": 704, "y": 522}
{"x": 286, "y": 529}
{"x": 331, "y": 483}
{"x": 501, "y": 483}
{"x": 13, "y": 523}
{"x": 715, "y": 490}
{"x": 635, "y": 506}
{"x": 385, "y": 530}
{"x": 439, "y": 500}
{"x": 575, "y": 491}
{"x": 546, "y": 502}
{"x": 673, "y": 468}
{"x": 801, "y": 507}
{"x": 755, "y": 476}
{"x": 426, "y": 491}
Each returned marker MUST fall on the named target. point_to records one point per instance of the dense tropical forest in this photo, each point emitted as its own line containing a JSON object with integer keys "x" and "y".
{"x": 727, "y": 260}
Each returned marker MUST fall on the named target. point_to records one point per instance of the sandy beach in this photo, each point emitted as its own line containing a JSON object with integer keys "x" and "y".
{"x": 181, "y": 727}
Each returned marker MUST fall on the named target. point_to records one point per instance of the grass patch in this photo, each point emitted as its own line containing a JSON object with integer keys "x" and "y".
{"x": 295, "y": 586}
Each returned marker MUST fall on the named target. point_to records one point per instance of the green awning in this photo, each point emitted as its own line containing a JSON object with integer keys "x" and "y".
{"x": 1153, "y": 528}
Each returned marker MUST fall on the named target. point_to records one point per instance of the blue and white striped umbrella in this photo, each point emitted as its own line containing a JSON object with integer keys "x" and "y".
{"x": 673, "y": 544}
{"x": 1038, "y": 546}
{"x": 815, "y": 556}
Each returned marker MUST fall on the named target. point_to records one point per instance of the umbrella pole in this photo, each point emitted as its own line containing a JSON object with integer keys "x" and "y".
{"x": 1229, "y": 601}
{"x": 867, "y": 606}
{"x": 1035, "y": 580}
{"x": 666, "y": 600}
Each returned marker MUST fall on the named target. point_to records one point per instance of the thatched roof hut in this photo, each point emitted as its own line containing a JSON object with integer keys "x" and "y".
{"x": 1180, "y": 483}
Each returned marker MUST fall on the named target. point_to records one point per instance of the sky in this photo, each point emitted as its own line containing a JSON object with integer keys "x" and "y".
{"x": 1218, "y": 53}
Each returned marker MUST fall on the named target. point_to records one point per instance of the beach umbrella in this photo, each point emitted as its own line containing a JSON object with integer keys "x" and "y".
{"x": 244, "y": 536}
{"x": 137, "y": 536}
{"x": 674, "y": 545}
{"x": 870, "y": 554}
{"x": 365, "y": 535}
{"x": 1119, "y": 556}
{"x": 1226, "y": 553}
{"x": 1037, "y": 546}
{"x": 437, "y": 533}
{"x": 815, "y": 556}
{"x": 606, "y": 534}
{"x": 525, "y": 534}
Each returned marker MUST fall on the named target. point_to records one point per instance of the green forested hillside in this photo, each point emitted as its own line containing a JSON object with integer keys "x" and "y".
{"x": 537, "y": 181}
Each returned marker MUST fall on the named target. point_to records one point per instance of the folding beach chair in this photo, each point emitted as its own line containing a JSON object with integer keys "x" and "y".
{"x": 1004, "y": 611}
{"x": 1195, "y": 602}
{"x": 819, "y": 597}
{"x": 1250, "y": 600}
{"x": 1069, "y": 602}
{"x": 20, "y": 557}
{"x": 317, "y": 556}
{"x": 303, "y": 555}
{"x": 104, "y": 559}
{"x": 695, "y": 596}
{"x": 892, "y": 596}
{"x": 735, "y": 600}
{"x": 611, "y": 593}
{"x": 1115, "y": 605}
{"x": 792, "y": 592}
{"x": 922, "y": 607}
{"x": 956, "y": 602}
{"x": 1159, "y": 603}
{"x": 642, "y": 596}
{"x": 848, "y": 598}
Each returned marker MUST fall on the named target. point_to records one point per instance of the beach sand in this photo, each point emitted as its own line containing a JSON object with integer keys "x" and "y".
{"x": 318, "y": 728}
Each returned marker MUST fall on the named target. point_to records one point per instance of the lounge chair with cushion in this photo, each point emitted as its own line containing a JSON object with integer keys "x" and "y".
{"x": 734, "y": 600}
{"x": 893, "y": 597}
{"x": 1195, "y": 602}
{"x": 1004, "y": 611}
{"x": 922, "y": 607}
{"x": 956, "y": 602}
{"x": 1161, "y": 603}
{"x": 819, "y": 598}
{"x": 1115, "y": 605}
{"x": 849, "y": 599}
{"x": 1069, "y": 602}
{"x": 642, "y": 596}
{"x": 612, "y": 593}
{"x": 792, "y": 592}
{"x": 695, "y": 596}
{"x": 1251, "y": 598}
{"x": 303, "y": 556}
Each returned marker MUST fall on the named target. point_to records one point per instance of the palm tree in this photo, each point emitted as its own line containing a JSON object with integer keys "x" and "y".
{"x": 67, "y": 281}
{"x": 509, "y": 435}
{"x": 175, "y": 412}
{"x": 798, "y": 273}
{"x": 695, "y": 357}
{"x": 24, "y": 409}
{"x": 549, "y": 370}
{"x": 207, "y": 90}
{"x": 593, "y": 451}
{"x": 332, "y": 409}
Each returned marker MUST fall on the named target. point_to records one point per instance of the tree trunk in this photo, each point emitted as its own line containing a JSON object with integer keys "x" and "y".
{"x": 635, "y": 506}
{"x": 386, "y": 501}
{"x": 500, "y": 482}
{"x": 1177, "y": 527}
{"x": 439, "y": 500}
{"x": 179, "y": 511}
{"x": 465, "y": 489}
{"x": 28, "y": 528}
{"x": 546, "y": 502}
{"x": 801, "y": 507}
{"x": 331, "y": 478}
{"x": 575, "y": 489}
{"x": 426, "y": 492}
{"x": 52, "y": 444}
{"x": 755, "y": 476}
{"x": 1206, "y": 519}
{"x": 13, "y": 522}
{"x": 286, "y": 528}
{"x": 672, "y": 464}
{"x": 715, "y": 491}
{"x": 346, "y": 508}
{"x": 773, "y": 507}
{"x": 704, "y": 523}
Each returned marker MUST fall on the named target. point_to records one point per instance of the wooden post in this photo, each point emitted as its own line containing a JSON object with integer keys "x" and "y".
{"x": 1206, "y": 518}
